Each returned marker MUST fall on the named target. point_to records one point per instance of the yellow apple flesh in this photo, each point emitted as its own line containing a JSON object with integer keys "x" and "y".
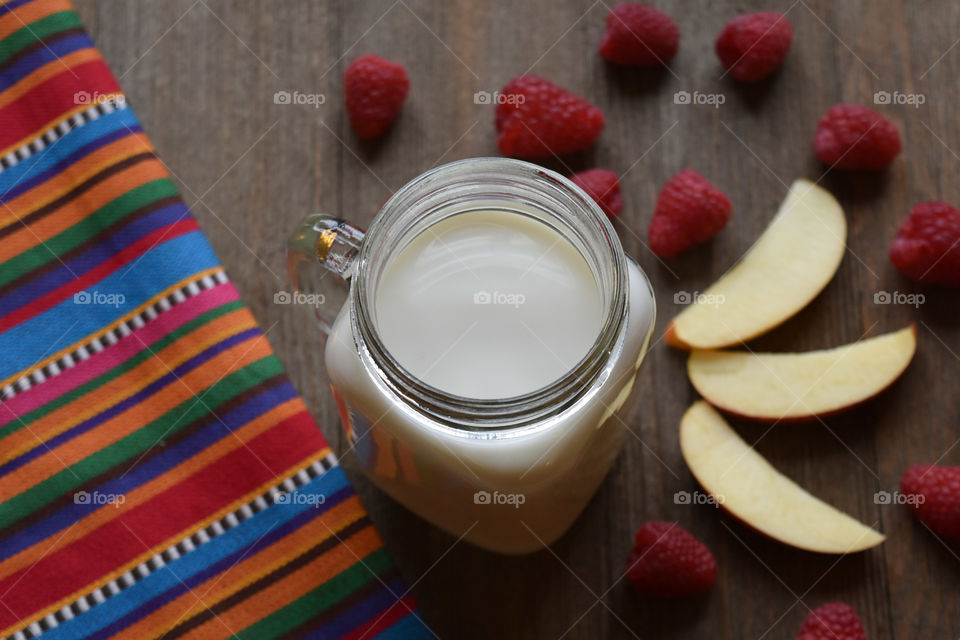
{"x": 790, "y": 263}
{"x": 744, "y": 483}
{"x": 797, "y": 386}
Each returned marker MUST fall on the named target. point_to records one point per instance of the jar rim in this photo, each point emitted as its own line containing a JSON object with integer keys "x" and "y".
{"x": 491, "y": 414}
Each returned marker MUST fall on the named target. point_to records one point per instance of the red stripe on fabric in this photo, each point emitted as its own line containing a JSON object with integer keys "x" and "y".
{"x": 44, "y": 103}
{"x": 129, "y": 254}
{"x": 64, "y": 571}
{"x": 394, "y": 614}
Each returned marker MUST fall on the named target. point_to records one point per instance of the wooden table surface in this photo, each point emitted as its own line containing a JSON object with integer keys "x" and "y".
{"x": 202, "y": 74}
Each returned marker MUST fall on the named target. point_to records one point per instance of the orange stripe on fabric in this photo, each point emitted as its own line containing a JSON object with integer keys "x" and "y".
{"x": 45, "y": 72}
{"x": 63, "y": 182}
{"x": 106, "y": 396}
{"x": 121, "y": 320}
{"x": 147, "y": 554}
{"x": 170, "y": 397}
{"x": 22, "y": 16}
{"x": 255, "y": 567}
{"x": 155, "y": 486}
{"x": 27, "y": 237}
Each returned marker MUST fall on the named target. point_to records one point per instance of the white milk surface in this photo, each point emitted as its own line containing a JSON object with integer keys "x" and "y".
{"x": 488, "y": 304}
{"x": 539, "y": 479}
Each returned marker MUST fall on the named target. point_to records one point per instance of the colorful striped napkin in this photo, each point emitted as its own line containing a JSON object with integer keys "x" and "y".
{"x": 159, "y": 475}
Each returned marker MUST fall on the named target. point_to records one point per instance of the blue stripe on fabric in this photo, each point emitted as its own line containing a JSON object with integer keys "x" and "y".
{"x": 93, "y": 257}
{"x": 130, "y": 401}
{"x": 54, "y": 50}
{"x": 120, "y": 120}
{"x": 69, "y": 322}
{"x": 201, "y": 564}
{"x": 147, "y": 470}
{"x": 363, "y": 611}
{"x": 410, "y": 627}
{"x": 42, "y": 175}
{"x": 11, "y": 5}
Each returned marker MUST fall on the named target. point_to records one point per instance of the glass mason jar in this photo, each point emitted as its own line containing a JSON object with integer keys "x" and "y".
{"x": 508, "y": 474}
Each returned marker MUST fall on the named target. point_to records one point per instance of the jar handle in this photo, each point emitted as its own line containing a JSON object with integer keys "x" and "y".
{"x": 332, "y": 243}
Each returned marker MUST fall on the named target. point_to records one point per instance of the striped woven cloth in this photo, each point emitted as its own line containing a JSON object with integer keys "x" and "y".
{"x": 159, "y": 475}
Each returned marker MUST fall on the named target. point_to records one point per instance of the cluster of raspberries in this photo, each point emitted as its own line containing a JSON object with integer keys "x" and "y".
{"x": 536, "y": 118}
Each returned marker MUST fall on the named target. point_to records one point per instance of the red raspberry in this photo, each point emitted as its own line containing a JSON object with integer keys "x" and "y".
{"x": 603, "y": 186}
{"x": 851, "y": 136}
{"x": 689, "y": 211}
{"x": 668, "y": 561}
{"x": 754, "y": 45}
{"x": 536, "y": 118}
{"x": 927, "y": 247}
{"x": 832, "y": 621}
{"x": 375, "y": 89}
{"x": 638, "y": 34}
{"x": 936, "y": 497}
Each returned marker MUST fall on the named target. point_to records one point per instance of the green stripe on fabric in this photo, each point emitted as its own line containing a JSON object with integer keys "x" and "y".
{"x": 85, "y": 229}
{"x": 139, "y": 441}
{"x": 323, "y": 597}
{"x": 120, "y": 369}
{"x": 37, "y": 31}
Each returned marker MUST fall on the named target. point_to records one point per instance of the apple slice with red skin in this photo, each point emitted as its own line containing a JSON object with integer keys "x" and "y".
{"x": 800, "y": 386}
{"x": 746, "y": 485}
{"x": 789, "y": 264}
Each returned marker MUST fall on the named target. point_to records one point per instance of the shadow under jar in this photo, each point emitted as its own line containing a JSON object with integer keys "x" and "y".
{"x": 491, "y": 329}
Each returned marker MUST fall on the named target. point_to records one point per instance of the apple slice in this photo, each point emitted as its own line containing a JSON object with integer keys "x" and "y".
{"x": 788, "y": 265}
{"x": 795, "y": 386}
{"x": 744, "y": 483}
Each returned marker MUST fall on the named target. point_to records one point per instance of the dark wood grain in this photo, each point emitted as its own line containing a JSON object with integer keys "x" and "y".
{"x": 201, "y": 76}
